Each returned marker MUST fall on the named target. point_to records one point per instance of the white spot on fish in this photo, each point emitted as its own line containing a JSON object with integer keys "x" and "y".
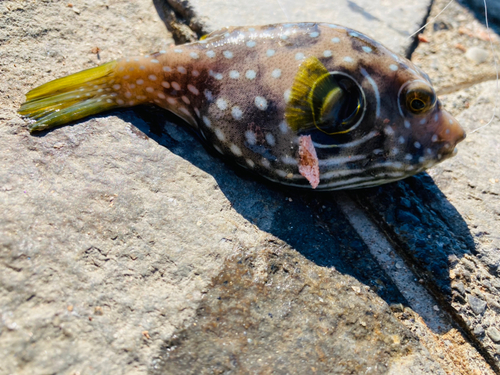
{"x": 228, "y": 54}
{"x": 181, "y": 70}
{"x": 167, "y": 69}
{"x": 217, "y": 148}
{"x": 270, "y": 52}
{"x": 353, "y": 34}
{"x": 116, "y": 87}
{"x": 139, "y": 81}
{"x": 208, "y": 95}
{"x": 284, "y": 37}
{"x": 193, "y": 89}
{"x": 401, "y": 140}
{"x": 428, "y": 151}
{"x": 165, "y": 84}
{"x": 388, "y": 130}
{"x": 335, "y": 40}
{"x": 450, "y": 121}
{"x": 235, "y": 150}
{"x": 299, "y": 56}
{"x": 236, "y": 112}
{"x": 234, "y": 74}
{"x": 250, "y": 163}
{"x": 177, "y": 50}
{"x": 276, "y": 73}
{"x": 207, "y": 122}
{"x": 161, "y": 95}
{"x": 142, "y": 67}
{"x": 220, "y": 135}
{"x": 210, "y": 54}
{"x": 421, "y": 159}
{"x": 185, "y": 111}
{"x": 261, "y": 103}
{"x": 393, "y": 67}
{"x": 423, "y": 121}
{"x": 327, "y": 53}
{"x": 289, "y": 160}
{"x": 120, "y": 102}
{"x": 195, "y": 73}
{"x": 395, "y": 151}
{"x": 197, "y": 111}
{"x": 150, "y": 89}
{"x": 417, "y": 145}
{"x": 447, "y": 131}
{"x": 218, "y": 76}
{"x": 407, "y": 124}
{"x": 283, "y": 127}
{"x": 251, "y": 138}
{"x": 185, "y": 99}
{"x": 194, "y": 55}
{"x": 152, "y": 77}
{"x": 250, "y": 74}
{"x": 251, "y": 43}
{"x": 251, "y": 29}
{"x": 126, "y": 77}
{"x": 271, "y": 141}
{"x": 314, "y": 34}
{"x": 128, "y": 94}
{"x": 222, "y": 104}
{"x": 176, "y": 86}
{"x": 434, "y": 138}
{"x": 366, "y": 49}
{"x": 109, "y": 100}
{"x": 172, "y": 101}
{"x": 281, "y": 173}
{"x": 436, "y": 117}
{"x": 348, "y": 59}
{"x": 265, "y": 163}
{"x": 408, "y": 157}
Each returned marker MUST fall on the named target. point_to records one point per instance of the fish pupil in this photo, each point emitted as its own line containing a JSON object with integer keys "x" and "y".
{"x": 417, "y": 105}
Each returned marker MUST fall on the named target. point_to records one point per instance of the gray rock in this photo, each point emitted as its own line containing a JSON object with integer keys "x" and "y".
{"x": 478, "y": 330}
{"x": 494, "y": 334}
{"x": 477, "y": 305}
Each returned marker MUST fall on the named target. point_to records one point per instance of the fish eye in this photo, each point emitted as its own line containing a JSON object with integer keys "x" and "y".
{"x": 331, "y": 102}
{"x": 337, "y": 103}
{"x": 418, "y": 97}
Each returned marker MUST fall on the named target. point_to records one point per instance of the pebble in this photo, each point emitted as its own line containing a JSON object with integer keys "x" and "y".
{"x": 494, "y": 334}
{"x": 477, "y": 305}
{"x": 477, "y": 55}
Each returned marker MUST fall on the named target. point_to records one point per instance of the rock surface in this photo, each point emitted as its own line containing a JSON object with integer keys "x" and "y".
{"x": 125, "y": 248}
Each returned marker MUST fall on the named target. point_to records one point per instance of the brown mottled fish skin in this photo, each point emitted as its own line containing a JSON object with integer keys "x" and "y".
{"x": 233, "y": 88}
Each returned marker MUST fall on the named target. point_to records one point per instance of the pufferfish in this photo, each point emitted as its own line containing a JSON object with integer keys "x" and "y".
{"x": 309, "y": 105}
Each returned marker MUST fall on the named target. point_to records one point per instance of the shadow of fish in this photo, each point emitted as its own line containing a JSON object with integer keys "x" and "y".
{"x": 303, "y": 104}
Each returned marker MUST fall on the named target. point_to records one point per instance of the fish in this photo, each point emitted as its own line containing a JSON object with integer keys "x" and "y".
{"x": 309, "y": 105}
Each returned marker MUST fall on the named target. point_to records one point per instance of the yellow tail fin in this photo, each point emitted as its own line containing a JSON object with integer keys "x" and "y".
{"x": 71, "y": 98}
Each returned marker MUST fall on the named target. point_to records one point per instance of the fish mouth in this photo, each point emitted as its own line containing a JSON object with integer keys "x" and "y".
{"x": 451, "y": 133}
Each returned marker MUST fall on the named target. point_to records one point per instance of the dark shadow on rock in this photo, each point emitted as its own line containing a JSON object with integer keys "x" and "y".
{"x": 425, "y": 228}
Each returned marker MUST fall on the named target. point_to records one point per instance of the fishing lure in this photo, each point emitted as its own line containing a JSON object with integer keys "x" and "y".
{"x": 302, "y": 104}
